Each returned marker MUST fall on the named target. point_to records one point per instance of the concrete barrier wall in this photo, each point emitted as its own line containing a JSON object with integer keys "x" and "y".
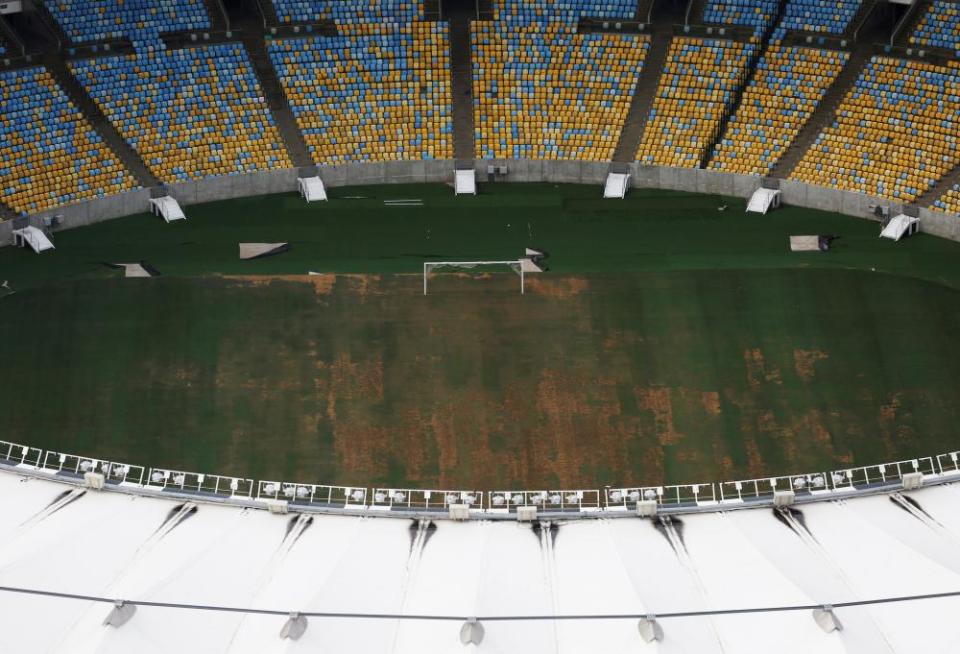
{"x": 518, "y": 170}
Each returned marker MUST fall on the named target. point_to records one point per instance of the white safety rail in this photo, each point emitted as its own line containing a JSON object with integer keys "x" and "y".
{"x": 680, "y": 495}
{"x": 423, "y": 499}
{"x": 167, "y": 208}
{"x": 763, "y": 199}
{"x": 72, "y": 464}
{"x": 763, "y": 489}
{"x": 312, "y": 189}
{"x": 17, "y": 454}
{"x": 313, "y": 494}
{"x": 34, "y": 237}
{"x": 684, "y": 498}
{"x": 899, "y": 226}
{"x": 199, "y": 483}
{"x": 616, "y": 185}
{"x": 465, "y": 182}
{"x": 545, "y": 500}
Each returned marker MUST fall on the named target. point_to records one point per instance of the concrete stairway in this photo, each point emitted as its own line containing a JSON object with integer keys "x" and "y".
{"x": 859, "y": 18}
{"x": 267, "y": 11}
{"x": 751, "y": 71}
{"x": 217, "y": 14}
{"x": 10, "y": 41}
{"x": 824, "y": 114}
{"x": 643, "y": 95}
{"x": 50, "y": 25}
{"x": 644, "y": 10}
{"x": 909, "y": 22}
{"x": 695, "y": 11}
{"x": 79, "y": 96}
{"x": 431, "y": 10}
{"x": 484, "y": 9}
{"x": 459, "y": 15}
{"x": 252, "y": 38}
{"x": 945, "y": 183}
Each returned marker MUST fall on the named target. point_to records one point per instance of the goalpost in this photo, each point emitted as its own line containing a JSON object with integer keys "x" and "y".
{"x": 516, "y": 266}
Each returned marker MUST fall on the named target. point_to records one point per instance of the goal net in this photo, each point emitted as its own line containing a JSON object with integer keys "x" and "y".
{"x": 470, "y": 266}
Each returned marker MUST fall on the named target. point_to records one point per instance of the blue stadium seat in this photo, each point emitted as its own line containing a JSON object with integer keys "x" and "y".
{"x": 141, "y": 21}
{"x": 939, "y": 27}
{"x": 348, "y": 11}
{"x": 758, "y": 14}
{"x": 49, "y": 154}
{"x": 190, "y": 113}
{"x": 826, "y": 16}
{"x": 377, "y": 92}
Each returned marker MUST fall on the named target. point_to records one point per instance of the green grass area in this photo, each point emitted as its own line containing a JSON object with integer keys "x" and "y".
{"x": 355, "y": 233}
{"x": 670, "y": 342}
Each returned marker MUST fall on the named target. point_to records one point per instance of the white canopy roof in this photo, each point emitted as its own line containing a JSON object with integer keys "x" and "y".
{"x": 61, "y": 538}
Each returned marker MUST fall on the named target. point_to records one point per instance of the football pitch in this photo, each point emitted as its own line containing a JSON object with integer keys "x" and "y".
{"x": 671, "y": 341}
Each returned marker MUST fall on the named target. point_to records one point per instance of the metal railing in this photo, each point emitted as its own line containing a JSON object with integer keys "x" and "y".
{"x": 682, "y": 498}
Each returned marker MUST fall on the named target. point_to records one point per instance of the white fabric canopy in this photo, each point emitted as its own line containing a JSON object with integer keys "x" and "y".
{"x": 114, "y": 545}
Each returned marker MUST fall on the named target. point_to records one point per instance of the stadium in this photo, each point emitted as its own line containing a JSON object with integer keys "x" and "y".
{"x": 479, "y": 325}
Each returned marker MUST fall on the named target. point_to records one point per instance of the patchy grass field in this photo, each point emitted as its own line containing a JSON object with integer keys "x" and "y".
{"x": 670, "y": 343}
{"x": 587, "y": 379}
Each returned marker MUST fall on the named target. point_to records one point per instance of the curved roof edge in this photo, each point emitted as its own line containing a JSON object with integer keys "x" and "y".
{"x": 463, "y": 504}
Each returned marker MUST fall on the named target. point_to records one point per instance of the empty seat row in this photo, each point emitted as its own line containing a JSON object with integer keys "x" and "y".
{"x": 939, "y": 27}
{"x": 545, "y": 92}
{"x": 49, "y": 153}
{"x": 758, "y": 14}
{"x": 826, "y": 16}
{"x": 783, "y": 93}
{"x": 949, "y": 202}
{"x": 896, "y": 132}
{"x": 348, "y": 11}
{"x": 698, "y": 84}
{"x": 377, "y": 92}
{"x": 190, "y": 113}
{"x": 141, "y": 21}
{"x": 519, "y": 13}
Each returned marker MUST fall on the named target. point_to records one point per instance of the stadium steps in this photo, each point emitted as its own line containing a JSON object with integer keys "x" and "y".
{"x": 266, "y": 11}
{"x": 695, "y": 12}
{"x": 824, "y": 114}
{"x": 79, "y": 96}
{"x": 643, "y": 95}
{"x": 431, "y": 10}
{"x": 945, "y": 183}
{"x": 461, "y": 78}
{"x": 252, "y": 39}
{"x": 908, "y": 23}
{"x": 218, "y": 15}
{"x": 860, "y": 19}
{"x": 644, "y": 10}
{"x": 484, "y": 9}
{"x": 751, "y": 71}
{"x": 50, "y": 25}
{"x": 10, "y": 41}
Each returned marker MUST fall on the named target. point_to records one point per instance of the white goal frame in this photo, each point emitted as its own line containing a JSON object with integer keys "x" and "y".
{"x": 472, "y": 264}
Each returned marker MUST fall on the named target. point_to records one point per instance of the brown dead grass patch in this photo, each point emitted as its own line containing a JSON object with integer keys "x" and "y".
{"x": 711, "y": 402}
{"x": 888, "y": 410}
{"x": 658, "y": 402}
{"x": 804, "y": 362}
{"x": 322, "y": 284}
{"x": 557, "y": 287}
{"x": 757, "y": 370}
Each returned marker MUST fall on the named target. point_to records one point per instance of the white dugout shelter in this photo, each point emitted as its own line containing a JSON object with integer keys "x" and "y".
{"x": 212, "y": 575}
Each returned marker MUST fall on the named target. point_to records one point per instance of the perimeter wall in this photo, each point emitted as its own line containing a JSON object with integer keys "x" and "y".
{"x": 213, "y": 189}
